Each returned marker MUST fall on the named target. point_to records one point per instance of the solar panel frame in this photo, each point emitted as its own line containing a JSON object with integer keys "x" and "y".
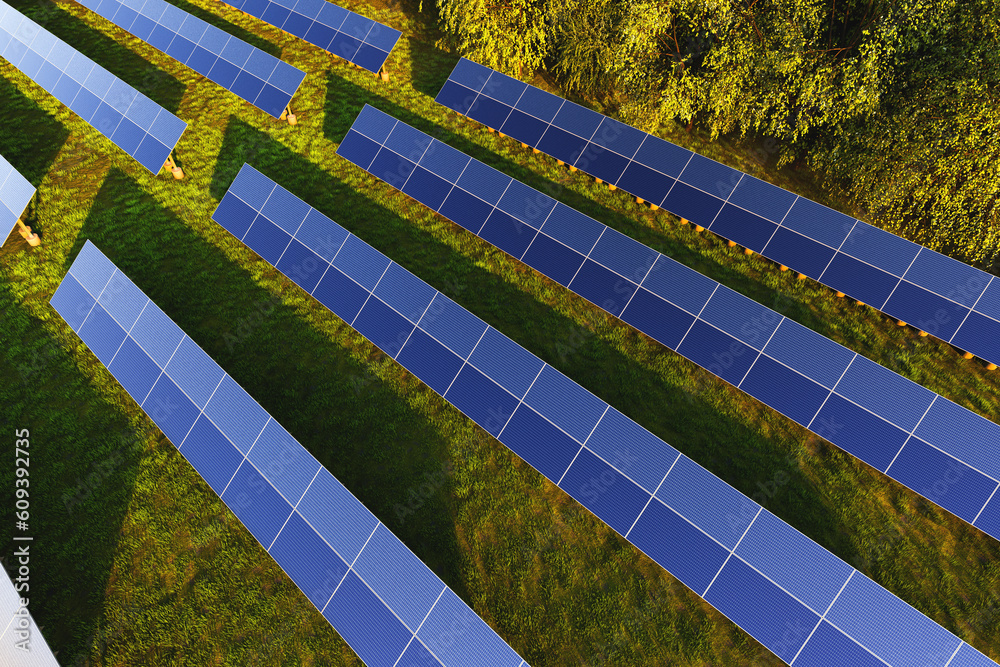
{"x": 97, "y": 97}
{"x": 707, "y": 193}
{"x": 21, "y": 641}
{"x": 271, "y": 486}
{"x": 679, "y": 540}
{"x": 244, "y": 70}
{"x": 15, "y": 194}
{"x": 729, "y": 334}
{"x": 353, "y": 37}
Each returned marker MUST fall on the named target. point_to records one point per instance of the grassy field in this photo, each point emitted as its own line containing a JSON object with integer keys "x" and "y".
{"x": 135, "y": 561}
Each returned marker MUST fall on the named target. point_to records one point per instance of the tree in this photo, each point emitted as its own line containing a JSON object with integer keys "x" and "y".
{"x": 511, "y": 36}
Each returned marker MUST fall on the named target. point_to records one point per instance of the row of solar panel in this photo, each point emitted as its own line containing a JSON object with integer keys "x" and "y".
{"x": 253, "y": 75}
{"x": 380, "y": 597}
{"x": 744, "y": 561}
{"x": 343, "y": 33}
{"x": 891, "y": 423}
{"x": 128, "y": 118}
{"x": 942, "y": 296}
{"x": 15, "y": 193}
{"x": 16, "y": 627}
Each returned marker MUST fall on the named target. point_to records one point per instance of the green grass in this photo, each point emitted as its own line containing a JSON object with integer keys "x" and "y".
{"x": 137, "y": 562}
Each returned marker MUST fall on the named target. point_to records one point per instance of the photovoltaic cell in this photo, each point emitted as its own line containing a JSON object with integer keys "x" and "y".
{"x": 373, "y": 589}
{"x": 15, "y": 193}
{"x": 246, "y": 71}
{"x": 860, "y": 406}
{"x": 128, "y": 118}
{"x": 343, "y": 33}
{"x": 809, "y": 235}
{"x": 761, "y": 572}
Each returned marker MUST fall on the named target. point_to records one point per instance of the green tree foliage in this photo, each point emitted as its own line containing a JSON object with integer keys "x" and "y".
{"x": 511, "y": 36}
{"x": 894, "y": 100}
{"x": 927, "y": 164}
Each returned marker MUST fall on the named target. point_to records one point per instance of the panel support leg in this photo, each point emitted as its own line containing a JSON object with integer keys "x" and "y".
{"x": 29, "y": 236}
{"x": 289, "y": 116}
{"x": 174, "y": 169}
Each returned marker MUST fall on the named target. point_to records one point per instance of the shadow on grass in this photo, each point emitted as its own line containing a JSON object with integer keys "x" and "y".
{"x": 345, "y": 101}
{"x": 130, "y": 67}
{"x": 226, "y": 26}
{"x": 726, "y": 446}
{"x": 430, "y": 67}
{"x": 30, "y": 137}
{"x": 84, "y": 458}
{"x": 361, "y": 430}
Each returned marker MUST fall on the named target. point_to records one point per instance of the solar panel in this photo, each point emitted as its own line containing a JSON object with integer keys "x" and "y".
{"x": 249, "y": 73}
{"x": 15, "y": 193}
{"x": 935, "y": 447}
{"x": 343, "y": 33}
{"x": 785, "y": 590}
{"x": 132, "y": 121}
{"x": 385, "y": 603}
{"x": 939, "y": 295}
{"x": 21, "y": 642}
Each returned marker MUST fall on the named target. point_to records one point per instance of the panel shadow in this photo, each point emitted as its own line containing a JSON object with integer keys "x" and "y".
{"x": 720, "y": 442}
{"x": 84, "y": 460}
{"x": 358, "y": 427}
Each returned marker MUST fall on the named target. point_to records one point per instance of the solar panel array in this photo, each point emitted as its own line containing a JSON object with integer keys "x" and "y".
{"x": 941, "y": 296}
{"x": 254, "y": 75}
{"x": 355, "y": 38}
{"x": 939, "y": 449}
{"x": 18, "y": 626}
{"x": 15, "y": 193}
{"x": 388, "y": 606}
{"x": 796, "y": 598}
{"x": 132, "y": 121}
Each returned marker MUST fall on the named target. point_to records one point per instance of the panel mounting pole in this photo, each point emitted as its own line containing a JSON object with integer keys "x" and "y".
{"x": 174, "y": 169}
{"x": 25, "y": 230}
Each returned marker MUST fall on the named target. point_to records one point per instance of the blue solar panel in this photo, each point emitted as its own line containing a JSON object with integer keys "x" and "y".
{"x": 15, "y": 193}
{"x": 970, "y": 657}
{"x": 604, "y": 489}
{"x": 565, "y": 403}
{"x": 761, "y": 608}
{"x": 255, "y": 76}
{"x": 797, "y": 564}
{"x": 948, "y": 482}
{"x": 128, "y": 118}
{"x": 343, "y": 33}
{"x": 373, "y": 590}
{"x": 715, "y": 507}
{"x": 809, "y": 235}
{"x": 766, "y": 575}
{"x": 867, "y": 410}
{"x": 888, "y": 627}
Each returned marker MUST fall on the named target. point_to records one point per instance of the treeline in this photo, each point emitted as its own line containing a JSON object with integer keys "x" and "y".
{"x": 895, "y": 103}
